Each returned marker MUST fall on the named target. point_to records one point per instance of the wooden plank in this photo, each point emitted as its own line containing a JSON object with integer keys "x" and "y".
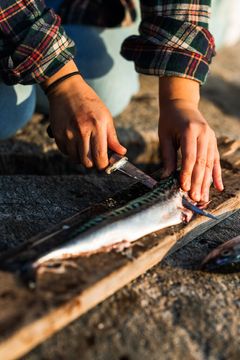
{"x": 31, "y": 316}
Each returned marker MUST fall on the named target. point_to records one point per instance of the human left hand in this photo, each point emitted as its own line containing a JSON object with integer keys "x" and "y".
{"x": 182, "y": 125}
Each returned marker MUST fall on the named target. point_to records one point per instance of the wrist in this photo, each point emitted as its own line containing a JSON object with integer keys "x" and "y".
{"x": 68, "y": 68}
{"x": 62, "y": 80}
{"x": 178, "y": 104}
{"x": 176, "y": 91}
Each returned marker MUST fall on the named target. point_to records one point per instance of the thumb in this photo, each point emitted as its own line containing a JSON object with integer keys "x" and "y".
{"x": 113, "y": 142}
{"x": 169, "y": 155}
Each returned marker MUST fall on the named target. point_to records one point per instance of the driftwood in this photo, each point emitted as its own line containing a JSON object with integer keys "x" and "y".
{"x": 61, "y": 294}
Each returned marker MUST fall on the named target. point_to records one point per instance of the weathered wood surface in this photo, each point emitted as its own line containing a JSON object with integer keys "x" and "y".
{"x": 31, "y": 316}
{"x": 172, "y": 312}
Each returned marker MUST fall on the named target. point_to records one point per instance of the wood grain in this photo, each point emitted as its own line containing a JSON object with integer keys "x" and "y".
{"x": 63, "y": 294}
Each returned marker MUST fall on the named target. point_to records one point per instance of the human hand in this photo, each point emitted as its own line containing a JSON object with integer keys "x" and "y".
{"x": 81, "y": 124}
{"x": 182, "y": 126}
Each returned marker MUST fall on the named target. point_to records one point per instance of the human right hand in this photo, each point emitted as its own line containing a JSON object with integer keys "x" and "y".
{"x": 82, "y": 125}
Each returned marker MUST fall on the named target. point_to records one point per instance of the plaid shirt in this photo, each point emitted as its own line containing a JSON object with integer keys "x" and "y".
{"x": 33, "y": 46}
{"x": 174, "y": 37}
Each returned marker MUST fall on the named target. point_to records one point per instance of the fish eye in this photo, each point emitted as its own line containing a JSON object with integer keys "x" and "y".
{"x": 226, "y": 253}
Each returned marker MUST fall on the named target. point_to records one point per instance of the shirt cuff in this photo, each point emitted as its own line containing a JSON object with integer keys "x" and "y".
{"x": 170, "y": 47}
{"x": 44, "y": 51}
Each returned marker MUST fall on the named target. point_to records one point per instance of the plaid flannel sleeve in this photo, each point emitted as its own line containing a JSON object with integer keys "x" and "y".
{"x": 174, "y": 39}
{"x": 33, "y": 45}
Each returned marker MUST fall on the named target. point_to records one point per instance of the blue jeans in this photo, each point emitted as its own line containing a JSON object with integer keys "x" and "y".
{"x": 17, "y": 104}
{"x": 98, "y": 58}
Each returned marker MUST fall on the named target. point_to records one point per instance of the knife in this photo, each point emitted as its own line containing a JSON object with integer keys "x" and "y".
{"x": 121, "y": 163}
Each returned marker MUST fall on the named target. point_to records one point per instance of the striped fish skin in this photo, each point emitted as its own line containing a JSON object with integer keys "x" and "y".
{"x": 224, "y": 259}
{"x": 160, "y": 208}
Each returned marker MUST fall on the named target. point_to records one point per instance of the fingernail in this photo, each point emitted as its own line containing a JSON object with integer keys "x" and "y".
{"x": 205, "y": 198}
{"x": 195, "y": 196}
{"x": 219, "y": 187}
{"x": 186, "y": 185}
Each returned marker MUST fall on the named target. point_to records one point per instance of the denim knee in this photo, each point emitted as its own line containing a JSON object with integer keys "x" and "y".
{"x": 17, "y": 104}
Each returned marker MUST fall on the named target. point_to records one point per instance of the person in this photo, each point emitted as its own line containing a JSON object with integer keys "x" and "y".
{"x": 174, "y": 44}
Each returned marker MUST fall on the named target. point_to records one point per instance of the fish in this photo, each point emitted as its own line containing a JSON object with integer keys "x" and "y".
{"x": 224, "y": 259}
{"x": 166, "y": 205}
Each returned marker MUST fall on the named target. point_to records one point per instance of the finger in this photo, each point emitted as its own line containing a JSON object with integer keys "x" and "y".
{"x": 169, "y": 155}
{"x": 99, "y": 149}
{"x": 64, "y": 142}
{"x": 61, "y": 145}
{"x": 72, "y": 151}
{"x": 113, "y": 142}
{"x": 217, "y": 173}
{"x": 199, "y": 167}
{"x": 189, "y": 153}
{"x": 84, "y": 150}
{"x": 207, "y": 180}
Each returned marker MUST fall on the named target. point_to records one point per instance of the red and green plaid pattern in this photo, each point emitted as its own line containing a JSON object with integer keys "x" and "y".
{"x": 174, "y": 39}
{"x": 33, "y": 45}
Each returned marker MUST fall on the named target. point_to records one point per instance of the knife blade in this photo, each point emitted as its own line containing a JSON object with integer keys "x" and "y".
{"x": 121, "y": 163}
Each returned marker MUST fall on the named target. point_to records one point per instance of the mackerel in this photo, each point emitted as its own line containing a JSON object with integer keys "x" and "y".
{"x": 162, "y": 207}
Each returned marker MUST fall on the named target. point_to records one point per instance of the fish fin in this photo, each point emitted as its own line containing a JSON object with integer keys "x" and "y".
{"x": 197, "y": 210}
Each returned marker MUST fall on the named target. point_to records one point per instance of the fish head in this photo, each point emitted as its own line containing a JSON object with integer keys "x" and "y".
{"x": 224, "y": 259}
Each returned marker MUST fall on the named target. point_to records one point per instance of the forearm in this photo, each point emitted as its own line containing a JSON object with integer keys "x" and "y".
{"x": 68, "y": 68}
{"x": 178, "y": 90}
